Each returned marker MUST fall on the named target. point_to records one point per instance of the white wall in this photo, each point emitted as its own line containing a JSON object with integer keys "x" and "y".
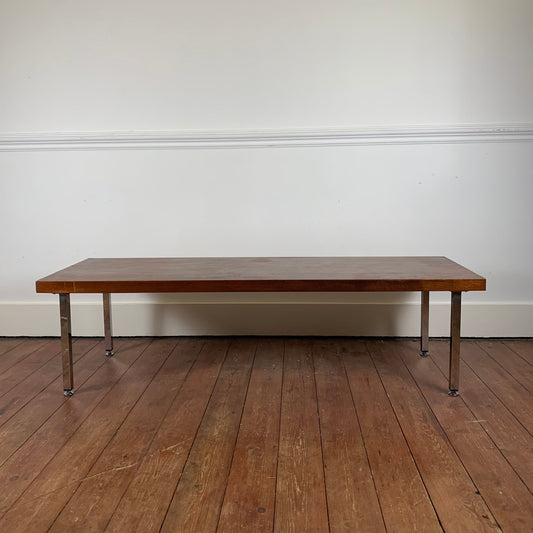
{"x": 255, "y": 128}
{"x": 175, "y": 64}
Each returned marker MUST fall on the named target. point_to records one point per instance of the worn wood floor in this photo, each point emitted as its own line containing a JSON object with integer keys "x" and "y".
{"x": 266, "y": 434}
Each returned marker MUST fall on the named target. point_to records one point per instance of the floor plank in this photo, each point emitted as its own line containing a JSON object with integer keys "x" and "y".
{"x": 197, "y": 500}
{"x": 8, "y": 343}
{"x": 512, "y": 507}
{"x": 403, "y": 498}
{"x": 251, "y": 488}
{"x": 41, "y": 499}
{"x": 19, "y": 371}
{"x": 511, "y": 438}
{"x": 351, "y": 494}
{"x": 301, "y": 496}
{"x": 510, "y": 362}
{"x": 146, "y": 500}
{"x": 19, "y": 425}
{"x": 265, "y": 434}
{"x": 29, "y": 386}
{"x": 522, "y": 347}
{"x": 18, "y": 351}
{"x": 509, "y": 391}
{"x": 40, "y": 448}
{"x": 97, "y": 496}
{"x": 459, "y": 505}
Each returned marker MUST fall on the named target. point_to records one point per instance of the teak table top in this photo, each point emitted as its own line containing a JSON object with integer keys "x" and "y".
{"x": 262, "y": 274}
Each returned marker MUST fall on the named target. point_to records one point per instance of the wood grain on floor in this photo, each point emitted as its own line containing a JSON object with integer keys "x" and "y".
{"x": 266, "y": 434}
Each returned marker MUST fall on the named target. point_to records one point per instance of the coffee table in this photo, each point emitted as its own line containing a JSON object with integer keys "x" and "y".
{"x": 262, "y": 274}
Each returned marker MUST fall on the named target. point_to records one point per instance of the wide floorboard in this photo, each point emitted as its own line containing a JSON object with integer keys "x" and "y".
{"x": 260, "y": 434}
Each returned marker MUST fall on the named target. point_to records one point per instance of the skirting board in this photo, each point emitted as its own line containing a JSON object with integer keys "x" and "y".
{"x": 350, "y": 319}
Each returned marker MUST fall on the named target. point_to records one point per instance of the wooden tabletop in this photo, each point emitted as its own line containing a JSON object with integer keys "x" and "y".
{"x": 262, "y": 274}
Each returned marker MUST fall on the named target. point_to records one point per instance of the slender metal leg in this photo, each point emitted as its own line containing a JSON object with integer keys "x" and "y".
{"x": 424, "y": 325}
{"x": 107, "y": 325}
{"x": 455, "y": 344}
{"x": 66, "y": 344}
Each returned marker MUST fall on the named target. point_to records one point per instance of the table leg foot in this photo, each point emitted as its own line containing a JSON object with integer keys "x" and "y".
{"x": 453, "y": 393}
{"x": 109, "y": 353}
{"x": 68, "y": 392}
{"x": 424, "y": 353}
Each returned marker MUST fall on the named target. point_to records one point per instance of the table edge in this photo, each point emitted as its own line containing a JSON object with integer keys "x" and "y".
{"x": 319, "y": 285}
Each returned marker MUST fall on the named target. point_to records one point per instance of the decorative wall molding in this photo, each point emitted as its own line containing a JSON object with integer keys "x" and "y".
{"x": 173, "y": 140}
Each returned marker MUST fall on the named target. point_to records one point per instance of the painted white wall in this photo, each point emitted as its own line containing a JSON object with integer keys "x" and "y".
{"x": 175, "y": 64}
{"x": 118, "y": 67}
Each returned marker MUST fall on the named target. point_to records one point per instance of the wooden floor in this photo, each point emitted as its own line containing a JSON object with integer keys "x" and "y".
{"x": 266, "y": 434}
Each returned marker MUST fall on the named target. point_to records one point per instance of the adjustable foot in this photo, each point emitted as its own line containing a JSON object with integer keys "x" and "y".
{"x": 68, "y": 392}
{"x": 109, "y": 353}
{"x": 424, "y": 353}
{"x": 453, "y": 393}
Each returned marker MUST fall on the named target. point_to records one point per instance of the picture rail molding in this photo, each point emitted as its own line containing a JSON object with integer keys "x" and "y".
{"x": 271, "y": 138}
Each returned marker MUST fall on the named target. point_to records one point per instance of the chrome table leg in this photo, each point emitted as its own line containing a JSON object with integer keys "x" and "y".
{"x": 424, "y": 325}
{"x": 107, "y": 325}
{"x": 455, "y": 344}
{"x": 66, "y": 344}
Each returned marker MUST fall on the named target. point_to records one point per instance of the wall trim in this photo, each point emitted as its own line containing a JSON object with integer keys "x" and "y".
{"x": 280, "y": 138}
{"x": 496, "y": 319}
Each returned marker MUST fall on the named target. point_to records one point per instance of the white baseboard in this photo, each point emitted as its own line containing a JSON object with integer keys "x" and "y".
{"x": 270, "y": 318}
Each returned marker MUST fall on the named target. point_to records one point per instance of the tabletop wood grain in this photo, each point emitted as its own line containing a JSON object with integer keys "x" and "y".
{"x": 262, "y": 274}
